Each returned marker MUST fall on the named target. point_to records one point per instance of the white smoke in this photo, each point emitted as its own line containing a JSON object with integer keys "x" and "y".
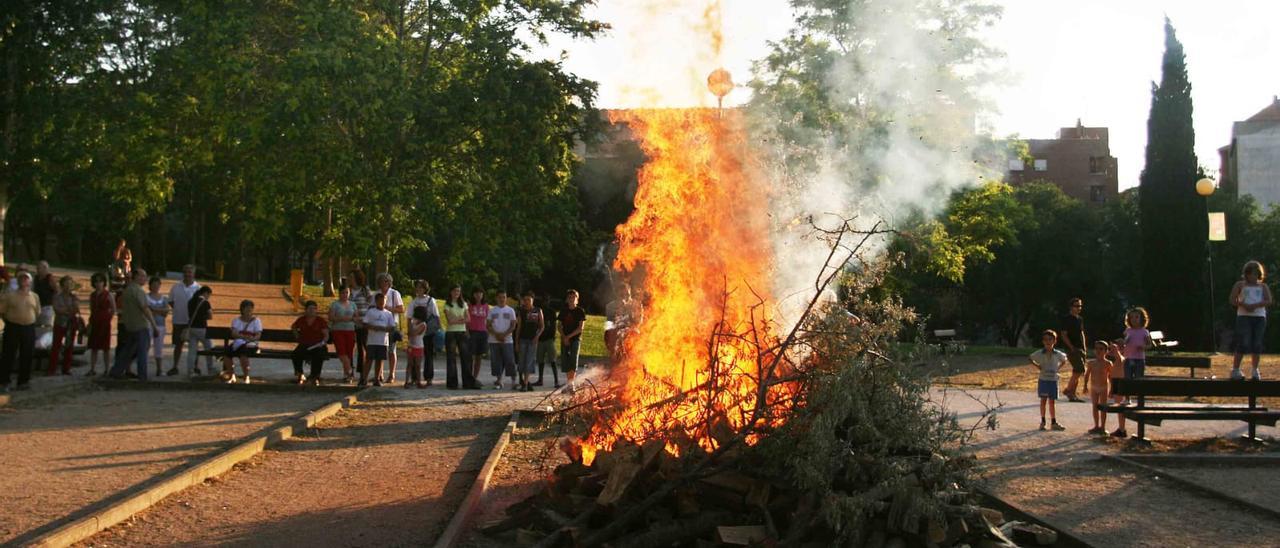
{"x": 896, "y": 135}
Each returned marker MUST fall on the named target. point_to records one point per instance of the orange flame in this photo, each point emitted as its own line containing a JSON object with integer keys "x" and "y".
{"x": 698, "y": 242}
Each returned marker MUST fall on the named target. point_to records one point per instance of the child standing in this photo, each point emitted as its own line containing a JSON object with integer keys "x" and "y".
{"x": 1136, "y": 341}
{"x": 477, "y": 332}
{"x": 531, "y": 327}
{"x": 501, "y": 325}
{"x": 547, "y": 343}
{"x": 1048, "y": 362}
{"x": 1098, "y": 375}
{"x": 1115, "y": 353}
{"x": 417, "y": 350}
{"x": 379, "y": 322}
{"x": 1251, "y": 298}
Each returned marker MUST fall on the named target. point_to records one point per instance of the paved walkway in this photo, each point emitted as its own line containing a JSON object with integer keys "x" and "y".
{"x": 1060, "y": 476}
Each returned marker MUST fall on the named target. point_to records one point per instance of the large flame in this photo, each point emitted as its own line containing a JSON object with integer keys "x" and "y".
{"x": 698, "y": 245}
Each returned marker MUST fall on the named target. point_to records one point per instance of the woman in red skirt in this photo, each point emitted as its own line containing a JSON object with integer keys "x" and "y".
{"x": 102, "y": 307}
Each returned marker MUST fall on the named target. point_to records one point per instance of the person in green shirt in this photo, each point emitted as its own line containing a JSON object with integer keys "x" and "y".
{"x": 137, "y": 323}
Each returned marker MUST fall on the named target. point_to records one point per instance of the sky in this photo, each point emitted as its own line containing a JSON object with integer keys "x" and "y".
{"x": 1065, "y": 59}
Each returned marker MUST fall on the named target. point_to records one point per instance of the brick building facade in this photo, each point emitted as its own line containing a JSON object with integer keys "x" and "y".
{"x": 1079, "y": 161}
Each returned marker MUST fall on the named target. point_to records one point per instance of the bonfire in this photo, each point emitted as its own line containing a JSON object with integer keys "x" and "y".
{"x": 723, "y": 425}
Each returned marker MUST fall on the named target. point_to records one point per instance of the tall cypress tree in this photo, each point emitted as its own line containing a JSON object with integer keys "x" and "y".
{"x": 1173, "y": 223}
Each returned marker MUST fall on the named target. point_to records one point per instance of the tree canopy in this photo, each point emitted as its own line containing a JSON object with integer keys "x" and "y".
{"x": 413, "y": 135}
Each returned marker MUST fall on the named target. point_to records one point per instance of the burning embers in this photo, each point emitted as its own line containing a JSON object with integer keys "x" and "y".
{"x": 697, "y": 371}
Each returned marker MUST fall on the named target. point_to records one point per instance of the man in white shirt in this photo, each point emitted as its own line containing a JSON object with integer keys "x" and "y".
{"x": 501, "y": 324}
{"x": 179, "y": 295}
{"x": 394, "y": 305}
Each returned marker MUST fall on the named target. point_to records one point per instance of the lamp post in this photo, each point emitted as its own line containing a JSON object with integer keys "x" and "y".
{"x": 720, "y": 83}
{"x": 1205, "y": 188}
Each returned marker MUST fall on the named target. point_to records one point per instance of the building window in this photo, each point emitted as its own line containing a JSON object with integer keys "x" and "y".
{"x": 1095, "y": 165}
{"x": 1042, "y": 165}
{"x": 1097, "y": 194}
{"x": 1016, "y": 164}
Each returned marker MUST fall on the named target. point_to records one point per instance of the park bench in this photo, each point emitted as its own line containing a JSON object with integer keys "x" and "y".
{"x": 1144, "y": 413}
{"x": 947, "y": 341}
{"x": 268, "y": 336}
{"x": 1163, "y": 356}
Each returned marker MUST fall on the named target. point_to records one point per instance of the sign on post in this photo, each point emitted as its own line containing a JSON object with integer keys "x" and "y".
{"x": 1217, "y": 226}
{"x": 295, "y": 288}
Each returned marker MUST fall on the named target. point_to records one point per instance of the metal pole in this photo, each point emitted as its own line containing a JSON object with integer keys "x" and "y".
{"x": 1208, "y": 256}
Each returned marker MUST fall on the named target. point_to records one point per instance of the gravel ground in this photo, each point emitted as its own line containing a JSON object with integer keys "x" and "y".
{"x": 63, "y": 454}
{"x": 388, "y": 472}
{"x": 1059, "y": 477}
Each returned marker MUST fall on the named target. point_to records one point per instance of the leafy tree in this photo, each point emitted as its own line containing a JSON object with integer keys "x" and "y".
{"x": 1173, "y": 223}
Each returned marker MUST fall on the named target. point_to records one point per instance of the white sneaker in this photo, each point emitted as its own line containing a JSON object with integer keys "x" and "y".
{"x": 231, "y": 379}
{"x": 246, "y": 379}
{"x": 1257, "y": 376}
{"x": 497, "y": 385}
{"x": 1236, "y": 375}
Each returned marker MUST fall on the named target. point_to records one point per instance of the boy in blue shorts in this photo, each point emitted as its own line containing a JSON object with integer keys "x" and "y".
{"x": 1048, "y": 362}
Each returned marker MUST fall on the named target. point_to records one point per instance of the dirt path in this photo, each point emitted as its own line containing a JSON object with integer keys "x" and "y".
{"x": 383, "y": 473}
{"x": 64, "y": 454}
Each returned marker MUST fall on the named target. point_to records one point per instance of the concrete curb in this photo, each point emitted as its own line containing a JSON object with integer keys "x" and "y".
{"x": 195, "y": 474}
{"x": 211, "y": 384}
{"x": 1200, "y": 488}
{"x": 458, "y": 524}
{"x": 1011, "y": 513}
{"x": 1205, "y": 459}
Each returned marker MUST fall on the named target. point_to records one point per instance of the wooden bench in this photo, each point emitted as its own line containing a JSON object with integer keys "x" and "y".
{"x": 1162, "y": 344}
{"x": 1186, "y": 362}
{"x": 1145, "y": 414}
{"x": 268, "y": 336}
{"x": 947, "y": 342}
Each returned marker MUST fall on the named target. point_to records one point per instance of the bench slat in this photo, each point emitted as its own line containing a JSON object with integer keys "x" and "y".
{"x": 1194, "y": 387}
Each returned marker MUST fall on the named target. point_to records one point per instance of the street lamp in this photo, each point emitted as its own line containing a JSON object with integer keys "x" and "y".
{"x": 1205, "y": 188}
{"x": 720, "y": 83}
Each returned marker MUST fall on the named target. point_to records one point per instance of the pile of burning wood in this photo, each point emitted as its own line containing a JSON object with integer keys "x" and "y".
{"x": 818, "y": 436}
{"x": 642, "y": 496}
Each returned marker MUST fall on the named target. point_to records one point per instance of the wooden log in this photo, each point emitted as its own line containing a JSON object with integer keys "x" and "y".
{"x": 677, "y": 532}
{"x": 742, "y": 535}
{"x": 620, "y": 479}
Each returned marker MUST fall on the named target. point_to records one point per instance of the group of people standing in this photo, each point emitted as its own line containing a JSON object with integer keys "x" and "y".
{"x": 365, "y": 327}
{"x": 1125, "y": 357}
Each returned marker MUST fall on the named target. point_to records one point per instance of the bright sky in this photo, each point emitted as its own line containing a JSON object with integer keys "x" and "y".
{"x": 1067, "y": 59}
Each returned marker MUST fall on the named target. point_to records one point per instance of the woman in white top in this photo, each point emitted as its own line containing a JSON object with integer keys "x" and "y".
{"x": 423, "y": 299}
{"x": 247, "y": 330}
{"x": 1251, "y": 298}
{"x": 159, "y": 305}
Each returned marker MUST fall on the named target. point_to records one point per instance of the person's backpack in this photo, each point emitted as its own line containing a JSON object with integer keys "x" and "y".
{"x": 433, "y": 319}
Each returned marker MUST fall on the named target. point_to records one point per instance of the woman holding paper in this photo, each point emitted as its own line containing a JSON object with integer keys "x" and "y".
{"x": 312, "y": 333}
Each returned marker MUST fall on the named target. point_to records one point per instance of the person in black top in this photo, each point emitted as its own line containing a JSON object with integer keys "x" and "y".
{"x": 532, "y": 324}
{"x": 547, "y": 342}
{"x": 572, "y": 317}
{"x": 199, "y": 312}
{"x": 43, "y": 285}
{"x": 1074, "y": 339}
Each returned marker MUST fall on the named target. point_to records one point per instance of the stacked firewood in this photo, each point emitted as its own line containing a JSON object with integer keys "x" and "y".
{"x": 643, "y": 496}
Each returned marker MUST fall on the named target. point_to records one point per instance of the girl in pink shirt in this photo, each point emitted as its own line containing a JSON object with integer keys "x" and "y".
{"x": 477, "y": 330}
{"x": 1136, "y": 341}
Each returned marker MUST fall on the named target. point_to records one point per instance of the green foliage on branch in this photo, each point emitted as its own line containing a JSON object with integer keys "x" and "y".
{"x": 417, "y": 134}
